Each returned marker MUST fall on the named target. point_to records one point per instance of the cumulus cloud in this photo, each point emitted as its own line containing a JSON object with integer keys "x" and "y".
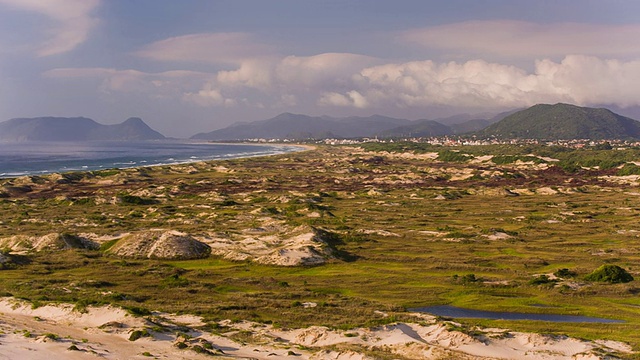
{"x": 255, "y": 74}
{"x": 350, "y": 99}
{"x": 163, "y": 85}
{"x": 211, "y": 48}
{"x": 526, "y": 39}
{"x": 208, "y": 97}
{"x": 322, "y": 70}
{"x": 353, "y": 81}
{"x": 576, "y": 79}
{"x": 72, "y": 22}
{"x": 277, "y": 80}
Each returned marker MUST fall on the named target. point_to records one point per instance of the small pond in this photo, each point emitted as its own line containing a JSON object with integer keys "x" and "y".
{"x": 456, "y": 312}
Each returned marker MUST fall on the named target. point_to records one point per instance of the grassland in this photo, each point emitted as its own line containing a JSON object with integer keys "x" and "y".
{"x": 412, "y": 229}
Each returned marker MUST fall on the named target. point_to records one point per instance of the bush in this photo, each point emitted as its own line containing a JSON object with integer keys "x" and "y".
{"x": 564, "y": 273}
{"x": 52, "y": 336}
{"x": 541, "y": 280}
{"x": 453, "y": 156}
{"x": 466, "y": 279}
{"x": 137, "y": 311}
{"x": 137, "y": 334}
{"x": 629, "y": 169}
{"x": 135, "y": 200}
{"x": 610, "y": 273}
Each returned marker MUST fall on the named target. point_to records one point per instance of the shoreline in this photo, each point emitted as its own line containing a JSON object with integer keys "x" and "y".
{"x": 86, "y": 168}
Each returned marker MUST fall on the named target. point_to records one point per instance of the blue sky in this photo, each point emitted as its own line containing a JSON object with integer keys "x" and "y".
{"x": 197, "y": 65}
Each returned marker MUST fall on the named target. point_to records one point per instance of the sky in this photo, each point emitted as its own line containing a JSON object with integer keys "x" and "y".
{"x": 193, "y": 66}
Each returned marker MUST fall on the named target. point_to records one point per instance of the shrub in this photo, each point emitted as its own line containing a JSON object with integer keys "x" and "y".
{"x": 137, "y": 334}
{"x": 564, "y": 273}
{"x": 541, "y": 280}
{"x": 452, "y": 156}
{"x": 137, "y": 311}
{"x": 611, "y": 274}
{"x": 135, "y": 200}
{"x": 466, "y": 279}
{"x": 199, "y": 349}
{"x": 52, "y": 336}
{"x": 629, "y": 169}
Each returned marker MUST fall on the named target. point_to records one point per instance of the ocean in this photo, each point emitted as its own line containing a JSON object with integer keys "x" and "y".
{"x": 37, "y": 158}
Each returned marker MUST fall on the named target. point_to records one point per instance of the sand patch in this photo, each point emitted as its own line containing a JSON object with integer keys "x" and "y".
{"x": 278, "y": 246}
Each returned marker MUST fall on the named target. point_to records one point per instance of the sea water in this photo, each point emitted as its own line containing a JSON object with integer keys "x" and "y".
{"x": 36, "y": 158}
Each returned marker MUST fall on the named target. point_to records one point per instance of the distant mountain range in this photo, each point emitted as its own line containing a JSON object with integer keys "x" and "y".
{"x": 562, "y": 122}
{"x": 298, "y": 127}
{"x": 549, "y": 122}
{"x": 74, "y": 129}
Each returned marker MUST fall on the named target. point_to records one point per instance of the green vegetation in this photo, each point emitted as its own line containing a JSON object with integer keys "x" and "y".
{"x": 408, "y": 231}
{"x": 563, "y": 121}
{"x": 542, "y": 280}
{"x": 137, "y": 334}
{"x": 52, "y": 336}
{"x": 135, "y": 200}
{"x": 452, "y": 156}
{"x": 569, "y": 160}
{"x": 611, "y": 274}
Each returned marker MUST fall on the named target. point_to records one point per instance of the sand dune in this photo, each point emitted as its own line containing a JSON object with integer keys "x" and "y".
{"x": 59, "y": 332}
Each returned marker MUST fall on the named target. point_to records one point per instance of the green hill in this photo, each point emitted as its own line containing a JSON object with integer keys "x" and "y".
{"x": 563, "y": 122}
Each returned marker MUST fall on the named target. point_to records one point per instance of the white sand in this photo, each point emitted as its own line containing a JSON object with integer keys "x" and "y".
{"x": 428, "y": 340}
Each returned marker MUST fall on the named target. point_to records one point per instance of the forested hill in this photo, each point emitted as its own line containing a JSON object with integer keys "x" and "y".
{"x": 564, "y": 121}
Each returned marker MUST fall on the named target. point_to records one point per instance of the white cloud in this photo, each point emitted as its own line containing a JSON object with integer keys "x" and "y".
{"x": 349, "y": 81}
{"x": 350, "y": 99}
{"x": 208, "y": 97}
{"x": 590, "y": 80}
{"x": 164, "y": 85}
{"x": 278, "y": 79}
{"x": 334, "y": 99}
{"x": 255, "y": 74}
{"x": 211, "y": 48}
{"x": 73, "y": 21}
{"x": 479, "y": 84}
{"x": 324, "y": 70}
{"x": 525, "y": 40}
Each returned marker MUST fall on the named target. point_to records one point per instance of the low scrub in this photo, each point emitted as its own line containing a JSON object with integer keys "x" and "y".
{"x": 611, "y": 274}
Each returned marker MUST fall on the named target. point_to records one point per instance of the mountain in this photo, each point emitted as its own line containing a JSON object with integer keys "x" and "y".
{"x": 419, "y": 128}
{"x": 564, "y": 121}
{"x": 74, "y": 129}
{"x": 131, "y": 129}
{"x": 296, "y": 126}
{"x": 470, "y": 126}
{"x": 429, "y": 128}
